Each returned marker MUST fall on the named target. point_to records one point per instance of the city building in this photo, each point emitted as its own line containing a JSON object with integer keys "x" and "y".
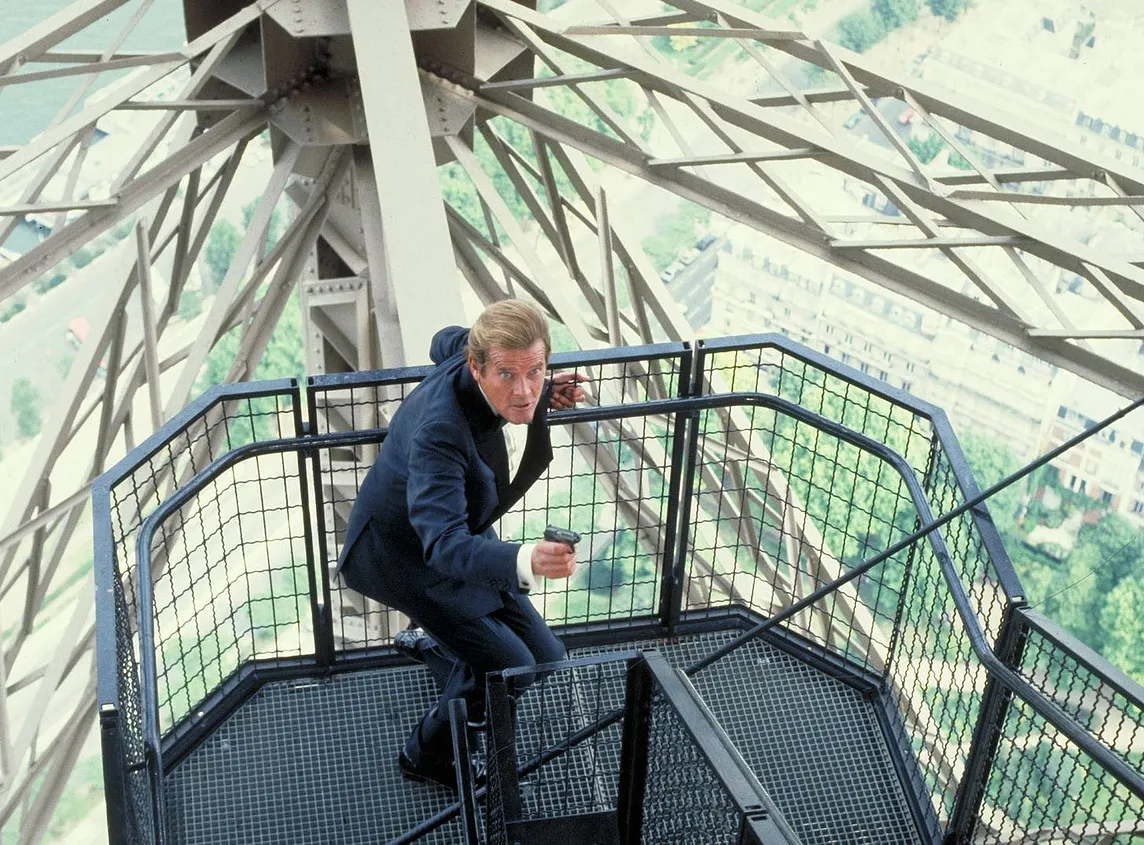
{"x": 984, "y": 384}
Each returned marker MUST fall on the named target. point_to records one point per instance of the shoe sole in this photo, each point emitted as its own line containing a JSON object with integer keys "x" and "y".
{"x": 479, "y": 779}
{"x": 419, "y": 778}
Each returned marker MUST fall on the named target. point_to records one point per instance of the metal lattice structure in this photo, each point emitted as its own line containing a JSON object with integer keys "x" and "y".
{"x": 946, "y": 719}
{"x": 354, "y": 108}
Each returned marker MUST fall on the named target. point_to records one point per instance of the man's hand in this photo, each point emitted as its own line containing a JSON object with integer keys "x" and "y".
{"x": 566, "y": 391}
{"x": 553, "y": 560}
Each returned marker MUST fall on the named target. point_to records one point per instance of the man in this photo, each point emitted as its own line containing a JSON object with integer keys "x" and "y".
{"x": 462, "y": 449}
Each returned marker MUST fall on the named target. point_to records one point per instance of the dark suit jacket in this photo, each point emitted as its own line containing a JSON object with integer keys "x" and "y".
{"x": 439, "y": 483}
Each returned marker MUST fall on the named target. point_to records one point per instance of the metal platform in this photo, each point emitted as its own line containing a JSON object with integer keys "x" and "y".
{"x": 314, "y": 761}
{"x": 904, "y": 691}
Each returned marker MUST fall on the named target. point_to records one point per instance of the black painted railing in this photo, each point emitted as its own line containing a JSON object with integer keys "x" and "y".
{"x": 746, "y": 479}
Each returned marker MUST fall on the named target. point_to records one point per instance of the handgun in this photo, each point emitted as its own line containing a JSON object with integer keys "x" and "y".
{"x": 562, "y": 535}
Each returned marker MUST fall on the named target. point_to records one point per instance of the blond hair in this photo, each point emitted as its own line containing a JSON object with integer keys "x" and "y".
{"x": 509, "y": 324}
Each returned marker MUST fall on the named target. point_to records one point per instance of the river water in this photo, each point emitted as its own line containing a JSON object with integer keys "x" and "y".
{"x": 26, "y": 109}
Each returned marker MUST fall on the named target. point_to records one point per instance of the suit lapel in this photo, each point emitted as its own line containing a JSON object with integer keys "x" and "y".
{"x": 492, "y": 450}
{"x": 489, "y": 441}
{"x": 535, "y": 460}
{"x": 485, "y": 427}
{"x": 537, "y": 456}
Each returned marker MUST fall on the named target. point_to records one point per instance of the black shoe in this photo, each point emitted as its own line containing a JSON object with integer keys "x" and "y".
{"x": 442, "y": 774}
{"x": 412, "y": 643}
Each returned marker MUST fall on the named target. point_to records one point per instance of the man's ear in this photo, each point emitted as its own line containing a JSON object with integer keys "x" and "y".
{"x": 473, "y": 368}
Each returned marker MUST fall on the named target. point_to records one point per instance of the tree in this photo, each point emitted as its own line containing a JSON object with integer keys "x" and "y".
{"x": 1123, "y": 620}
{"x": 274, "y": 229}
{"x": 896, "y": 13}
{"x": 222, "y": 243}
{"x": 25, "y": 406}
{"x": 859, "y": 31}
{"x": 991, "y": 461}
{"x": 1107, "y": 555}
{"x": 190, "y": 303}
{"x": 949, "y": 9}
{"x": 926, "y": 150}
{"x": 676, "y": 233}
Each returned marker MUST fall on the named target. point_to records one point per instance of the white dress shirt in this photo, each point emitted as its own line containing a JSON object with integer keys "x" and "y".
{"x": 515, "y": 439}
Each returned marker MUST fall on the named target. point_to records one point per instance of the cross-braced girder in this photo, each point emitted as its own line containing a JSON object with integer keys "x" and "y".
{"x": 520, "y": 108}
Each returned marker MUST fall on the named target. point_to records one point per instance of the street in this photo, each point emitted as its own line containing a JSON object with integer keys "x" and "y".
{"x": 692, "y": 287}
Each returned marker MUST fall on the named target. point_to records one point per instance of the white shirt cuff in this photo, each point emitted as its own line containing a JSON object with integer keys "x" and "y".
{"x": 524, "y": 574}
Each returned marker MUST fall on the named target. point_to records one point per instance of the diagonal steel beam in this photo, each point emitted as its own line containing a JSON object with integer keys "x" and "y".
{"x": 131, "y": 86}
{"x": 1098, "y": 368}
{"x": 182, "y": 161}
{"x": 77, "y": 16}
{"x": 852, "y": 159}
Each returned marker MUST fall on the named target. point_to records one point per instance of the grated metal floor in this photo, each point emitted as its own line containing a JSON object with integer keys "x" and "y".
{"x": 314, "y": 761}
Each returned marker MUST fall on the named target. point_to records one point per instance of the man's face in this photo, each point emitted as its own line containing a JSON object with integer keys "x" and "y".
{"x": 512, "y": 380}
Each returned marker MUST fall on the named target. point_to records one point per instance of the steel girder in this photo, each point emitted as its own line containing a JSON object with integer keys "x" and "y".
{"x": 989, "y": 256}
{"x": 986, "y": 249}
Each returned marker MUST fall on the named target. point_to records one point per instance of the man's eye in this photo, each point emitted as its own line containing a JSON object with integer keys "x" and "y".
{"x": 505, "y": 375}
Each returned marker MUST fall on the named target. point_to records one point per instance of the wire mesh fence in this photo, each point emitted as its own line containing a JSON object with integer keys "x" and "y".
{"x": 1042, "y": 788}
{"x": 815, "y": 506}
{"x": 737, "y": 481}
{"x": 1040, "y": 785}
{"x": 608, "y": 480}
{"x": 235, "y": 586}
{"x": 623, "y": 743}
{"x": 221, "y": 420}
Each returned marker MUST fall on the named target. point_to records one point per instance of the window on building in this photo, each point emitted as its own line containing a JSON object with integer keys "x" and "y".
{"x": 1137, "y": 446}
{"x": 1138, "y": 506}
{"x": 1106, "y": 497}
{"x": 1062, "y": 412}
{"x": 1082, "y": 487}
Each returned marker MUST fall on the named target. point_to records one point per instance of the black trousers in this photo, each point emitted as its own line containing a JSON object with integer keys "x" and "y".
{"x": 511, "y": 636}
{"x": 515, "y": 635}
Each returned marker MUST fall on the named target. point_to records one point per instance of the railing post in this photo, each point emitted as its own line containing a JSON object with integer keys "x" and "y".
{"x": 319, "y": 607}
{"x": 634, "y": 752}
{"x": 502, "y": 799}
{"x": 671, "y": 587}
{"x": 987, "y": 733}
{"x": 324, "y": 648}
{"x": 458, "y": 727}
{"x": 114, "y": 775}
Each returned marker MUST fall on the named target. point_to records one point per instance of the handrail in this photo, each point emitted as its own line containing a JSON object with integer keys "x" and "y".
{"x": 1109, "y": 674}
{"x": 1019, "y": 686}
{"x": 145, "y": 608}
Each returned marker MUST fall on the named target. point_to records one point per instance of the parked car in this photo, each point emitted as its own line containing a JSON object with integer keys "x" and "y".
{"x": 689, "y": 256}
{"x": 673, "y": 269}
{"x": 705, "y": 241}
{"x": 76, "y": 334}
